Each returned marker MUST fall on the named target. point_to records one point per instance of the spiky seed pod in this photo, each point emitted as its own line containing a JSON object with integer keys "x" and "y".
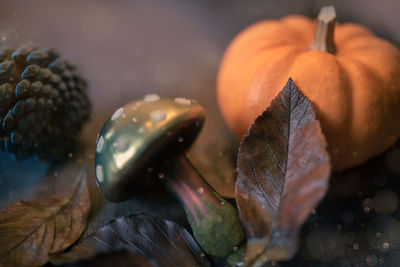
{"x": 43, "y": 103}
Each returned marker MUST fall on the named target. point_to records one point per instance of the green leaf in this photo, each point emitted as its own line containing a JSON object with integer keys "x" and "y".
{"x": 30, "y": 231}
{"x": 283, "y": 173}
{"x": 162, "y": 242}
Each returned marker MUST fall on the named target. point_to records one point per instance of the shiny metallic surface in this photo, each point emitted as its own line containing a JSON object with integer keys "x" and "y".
{"x": 138, "y": 137}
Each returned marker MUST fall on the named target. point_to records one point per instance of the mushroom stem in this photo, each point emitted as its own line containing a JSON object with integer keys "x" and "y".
{"x": 323, "y": 38}
{"x": 187, "y": 184}
{"x": 215, "y": 223}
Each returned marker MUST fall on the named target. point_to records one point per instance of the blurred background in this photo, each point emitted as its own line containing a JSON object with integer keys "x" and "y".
{"x": 126, "y": 49}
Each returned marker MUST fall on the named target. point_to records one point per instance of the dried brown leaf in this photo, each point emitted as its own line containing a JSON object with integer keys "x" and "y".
{"x": 31, "y": 230}
{"x": 283, "y": 173}
{"x": 162, "y": 242}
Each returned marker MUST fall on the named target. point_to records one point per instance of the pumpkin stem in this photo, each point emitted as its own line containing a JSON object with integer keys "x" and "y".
{"x": 323, "y": 38}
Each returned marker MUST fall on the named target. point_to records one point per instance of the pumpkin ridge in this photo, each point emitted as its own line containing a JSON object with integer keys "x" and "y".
{"x": 348, "y": 84}
{"x": 360, "y": 136}
{"x": 370, "y": 44}
{"x": 278, "y": 46}
{"x": 353, "y": 36}
{"x": 290, "y": 21}
{"x": 350, "y": 28}
{"x": 297, "y": 35}
{"x": 291, "y": 37}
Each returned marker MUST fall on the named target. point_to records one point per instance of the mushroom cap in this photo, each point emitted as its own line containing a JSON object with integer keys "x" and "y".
{"x": 138, "y": 137}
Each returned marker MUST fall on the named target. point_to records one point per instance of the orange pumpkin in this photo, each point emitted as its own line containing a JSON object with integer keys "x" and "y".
{"x": 351, "y": 76}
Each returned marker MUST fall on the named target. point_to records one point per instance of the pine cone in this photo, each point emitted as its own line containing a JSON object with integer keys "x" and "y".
{"x": 43, "y": 103}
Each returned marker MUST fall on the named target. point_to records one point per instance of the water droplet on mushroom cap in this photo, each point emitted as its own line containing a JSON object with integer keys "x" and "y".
{"x": 99, "y": 173}
{"x": 100, "y": 144}
{"x": 122, "y": 143}
{"x": 151, "y": 98}
{"x": 158, "y": 115}
{"x": 182, "y": 101}
{"x": 117, "y": 114}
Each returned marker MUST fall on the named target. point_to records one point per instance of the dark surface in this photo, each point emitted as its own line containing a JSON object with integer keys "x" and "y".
{"x": 358, "y": 222}
{"x": 126, "y": 49}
